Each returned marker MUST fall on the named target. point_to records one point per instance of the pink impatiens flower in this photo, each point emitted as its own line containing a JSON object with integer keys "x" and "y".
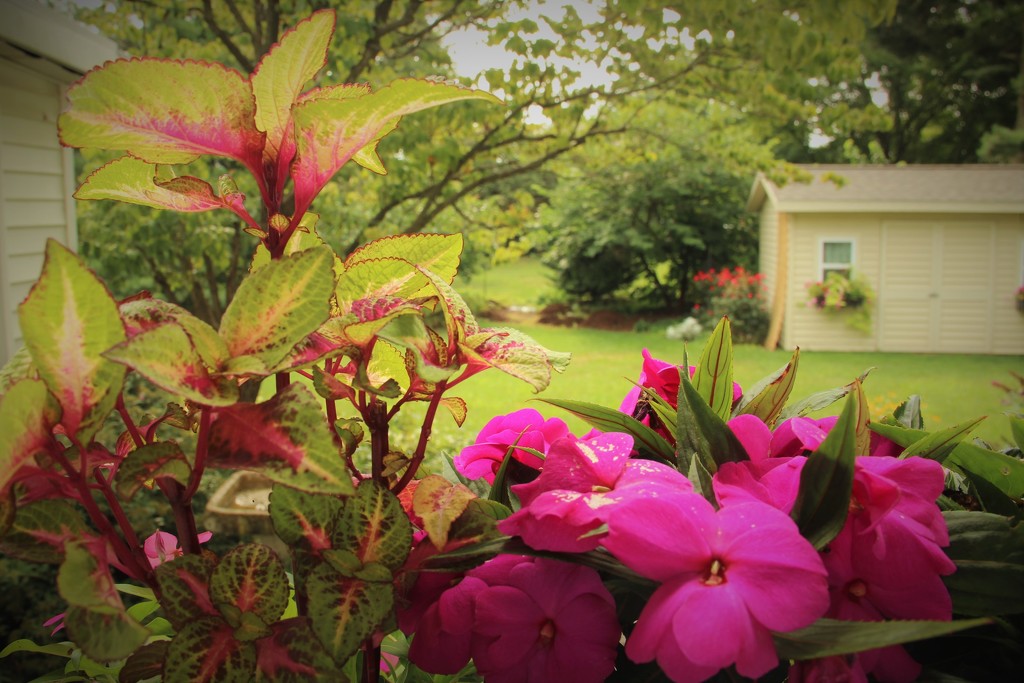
{"x": 663, "y": 378}
{"x": 581, "y": 481}
{"x": 526, "y": 428}
{"x": 163, "y": 547}
{"x": 728, "y": 578}
{"x": 521, "y": 619}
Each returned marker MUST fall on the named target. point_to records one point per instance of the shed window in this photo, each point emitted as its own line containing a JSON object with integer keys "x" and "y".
{"x": 836, "y": 257}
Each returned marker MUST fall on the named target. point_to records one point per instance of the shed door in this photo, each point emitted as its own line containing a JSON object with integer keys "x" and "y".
{"x": 936, "y": 285}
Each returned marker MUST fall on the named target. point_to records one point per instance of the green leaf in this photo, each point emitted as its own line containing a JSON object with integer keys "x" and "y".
{"x": 515, "y": 354}
{"x": 345, "y": 611}
{"x": 991, "y": 498}
{"x": 829, "y": 637}
{"x": 988, "y": 551}
{"x": 145, "y": 663}
{"x": 605, "y": 419}
{"x": 251, "y": 578}
{"x": 767, "y": 398}
{"x": 164, "y": 112}
{"x": 908, "y": 413}
{"x": 826, "y": 481}
{"x": 142, "y": 314}
{"x": 185, "y": 588}
{"x": 814, "y": 402}
{"x": 329, "y": 131}
{"x": 19, "y": 367}
{"x": 438, "y": 502}
{"x": 207, "y": 650}
{"x": 713, "y": 376}
{"x": 68, "y": 320}
{"x": 134, "y": 181}
{"x": 701, "y": 433}
{"x": 27, "y": 417}
{"x": 96, "y": 618}
{"x": 286, "y": 437}
{"x": 166, "y": 357}
{"x": 999, "y": 469}
{"x": 374, "y": 526}
{"x": 292, "y": 654}
{"x": 304, "y": 519}
{"x": 40, "y": 530}
{"x": 151, "y": 461}
{"x": 25, "y": 645}
{"x": 939, "y": 445}
{"x": 282, "y": 73}
{"x": 440, "y": 254}
{"x": 278, "y": 305}
{"x": 1017, "y": 429}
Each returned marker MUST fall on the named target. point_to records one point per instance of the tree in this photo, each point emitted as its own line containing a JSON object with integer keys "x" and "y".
{"x": 643, "y": 213}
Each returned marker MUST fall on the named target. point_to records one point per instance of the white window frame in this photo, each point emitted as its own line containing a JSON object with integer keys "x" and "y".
{"x": 825, "y": 267}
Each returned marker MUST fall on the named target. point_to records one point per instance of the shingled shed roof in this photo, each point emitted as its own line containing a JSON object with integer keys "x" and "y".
{"x": 975, "y": 188}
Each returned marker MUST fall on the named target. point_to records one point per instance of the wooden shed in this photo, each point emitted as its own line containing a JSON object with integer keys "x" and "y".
{"x": 942, "y": 246}
{"x": 41, "y": 53}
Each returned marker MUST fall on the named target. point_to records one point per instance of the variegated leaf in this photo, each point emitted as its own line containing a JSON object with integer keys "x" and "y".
{"x": 346, "y": 610}
{"x": 27, "y": 417}
{"x": 185, "y": 588}
{"x": 304, "y": 518}
{"x": 164, "y": 112}
{"x": 439, "y": 502}
{"x": 374, "y": 526}
{"x": 440, "y": 254}
{"x": 206, "y": 650}
{"x": 68, "y": 320}
{"x": 252, "y": 579}
{"x": 160, "y": 459}
{"x": 286, "y": 437}
{"x": 134, "y": 181}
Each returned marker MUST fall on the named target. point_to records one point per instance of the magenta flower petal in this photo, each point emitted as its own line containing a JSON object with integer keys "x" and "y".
{"x": 754, "y": 434}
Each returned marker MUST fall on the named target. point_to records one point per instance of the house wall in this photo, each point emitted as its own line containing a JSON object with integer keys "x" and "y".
{"x": 805, "y": 326}
{"x": 944, "y": 283}
{"x": 36, "y": 183}
{"x": 768, "y": 248}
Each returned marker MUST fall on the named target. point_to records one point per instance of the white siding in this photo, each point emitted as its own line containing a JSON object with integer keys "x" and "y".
{"x": 35, "y": 185}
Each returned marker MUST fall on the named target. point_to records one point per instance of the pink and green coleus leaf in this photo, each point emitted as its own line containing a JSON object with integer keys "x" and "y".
{"x": 157, "y": 460}
{"x": 386, "y": 279}
{"x": 305, "y": 519}
{"x": 96, "y": 618}
{"x": 278, "y": 305}
{"x": 515, "y": 354}
{"x": 440, "y": 254}
{"x": 68, "y": 320}
{"x": 329, "y": 131}
{"x": 252, "y": 580}
{"x": 206, "y": 650}
{"x": 410, "y": 332}
{"x": 145, "y": 313}
{"x": 439, "y": 502}
{"x": 292, "y": 654}
{"x": 41, "y": 529}
{"x": 374, "y": 527}
{"x": 28, "y": 414}
{"x": 166, "y": 356}
{"x": 185, "y": 588}
{"x": 346, "y": 610}
{"x": 135, "y": 181}
{"x": 165, "y": 112}
{"x": 278, "y": 81}
{"x": 286, "y": 437}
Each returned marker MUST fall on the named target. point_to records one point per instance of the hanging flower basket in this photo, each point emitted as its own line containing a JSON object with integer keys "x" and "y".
{"x": 850, "y": 296}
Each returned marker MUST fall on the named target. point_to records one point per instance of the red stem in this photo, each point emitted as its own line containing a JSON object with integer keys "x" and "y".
{"x": 133, "y": 430}
{"x": 421, "y": 445}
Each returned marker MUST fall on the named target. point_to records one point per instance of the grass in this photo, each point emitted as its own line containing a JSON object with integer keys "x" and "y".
{"x": 518, "y": 283}
{"x": 953, "y": 388}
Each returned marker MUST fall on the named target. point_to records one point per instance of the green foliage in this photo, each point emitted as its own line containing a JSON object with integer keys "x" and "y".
{"x": 848, "y": 294}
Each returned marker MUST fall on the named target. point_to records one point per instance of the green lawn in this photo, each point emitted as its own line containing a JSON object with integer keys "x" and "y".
{"x": 518, "y": 283}
{"x": 953, "y": 388}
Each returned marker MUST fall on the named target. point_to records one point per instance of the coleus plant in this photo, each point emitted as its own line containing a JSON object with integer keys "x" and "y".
{"x": 386, "y": 551}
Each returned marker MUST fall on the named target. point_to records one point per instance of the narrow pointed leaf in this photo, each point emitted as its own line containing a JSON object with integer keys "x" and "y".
{"x": 287, "y": 438}
{"x": 988, "y": 550}
{"x": 304, "y": 519}
{"x": 161, "y": 459}
{"x": 438, "y": 502}
{"x": 611, "y": 420}
{"x": 767, "y": 398}
{"x": 206, "y": 650}
{"x": 166, "y": 357}
{"x": 252, "y": 579}
{"x": 374, "y": 526}
{"x": 164, "y": 112}
{"x": 713, "y": 377}
{"x": 826, "y": 481}
{"x": 277, "y": 306}
{"x": 817, "y": 401}
{"x": 68, "y": 320}
{"x": 28, "y": 415}
{"x": 701, "y": 433}
{"x": 829, "y": 637}
{"x": 939, "y": 445}
{"x": 329, "y": 132}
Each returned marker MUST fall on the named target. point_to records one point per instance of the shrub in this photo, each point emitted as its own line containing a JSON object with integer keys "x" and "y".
{"x": 733, "y": 293}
